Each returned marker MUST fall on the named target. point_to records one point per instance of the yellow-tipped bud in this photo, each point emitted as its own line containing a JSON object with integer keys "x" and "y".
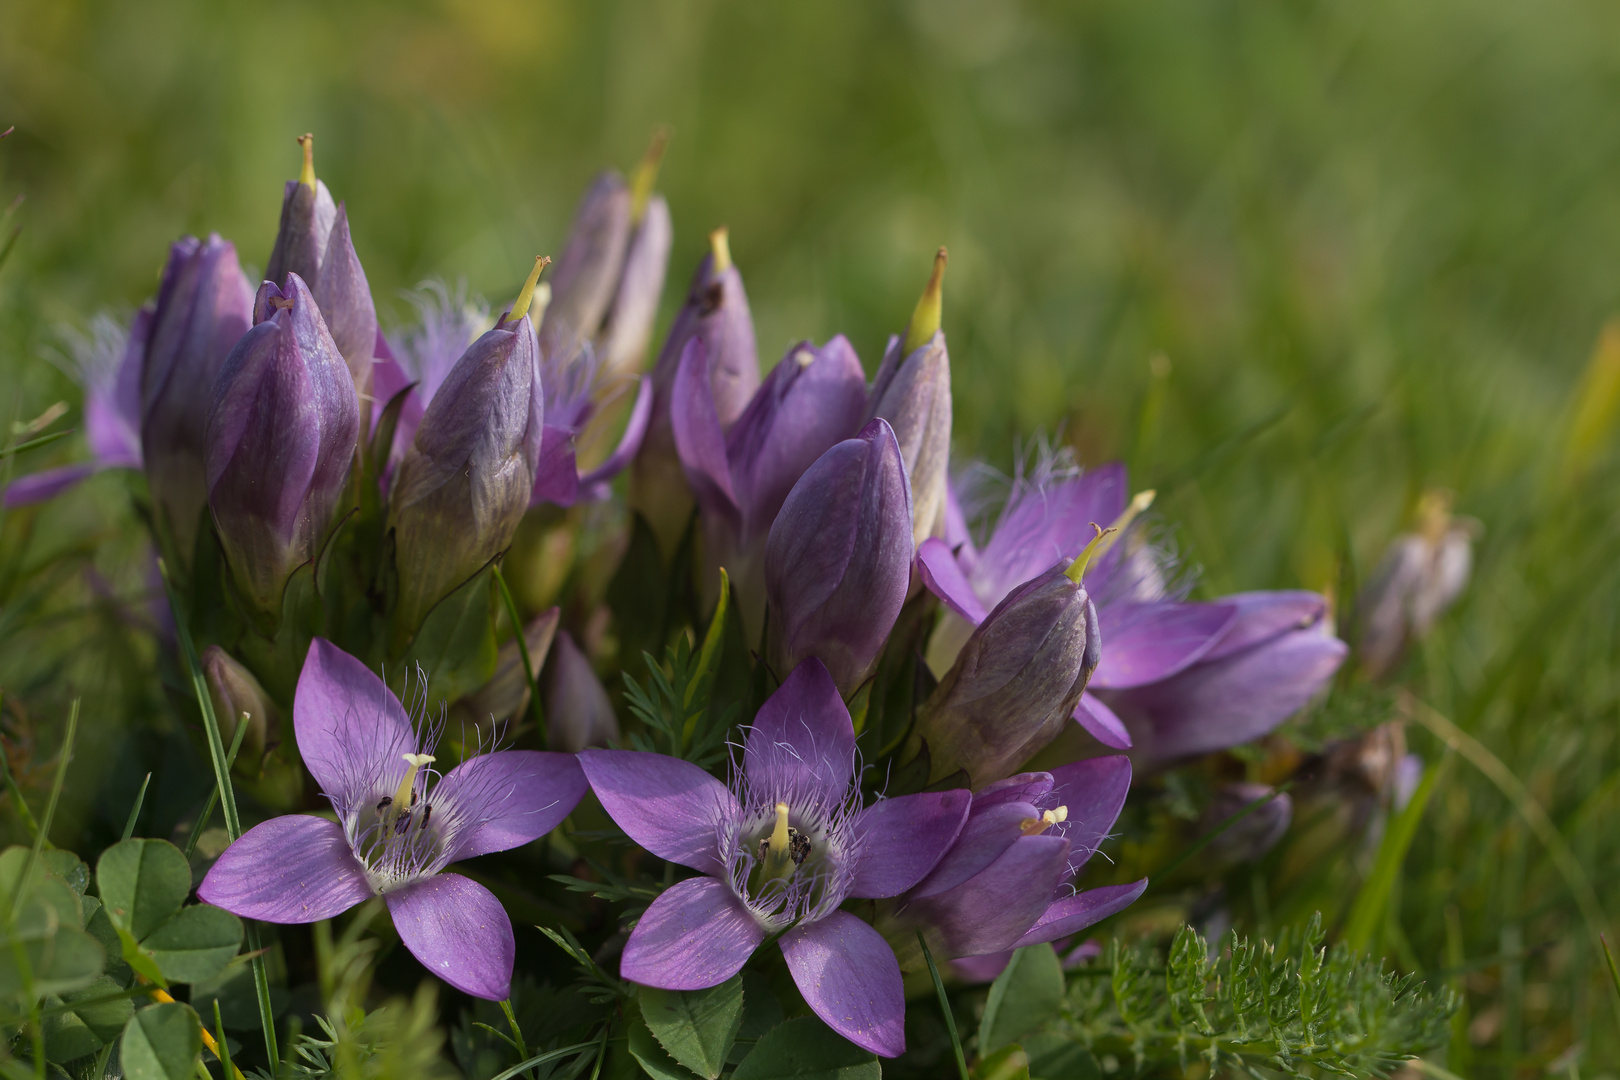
{"x": 525, "y": 296}
{"x": 646, "y": 174}
{"x": 1077, "y": 569}
{"x": 306, "y": 175}
{"x": 930, "y": 307}
{"x": 720, "y": 247}
{"x": 1139, "y": 502}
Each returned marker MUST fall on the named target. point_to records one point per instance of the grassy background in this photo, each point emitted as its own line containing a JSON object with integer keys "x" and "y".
{"x": 1373, "y": 241}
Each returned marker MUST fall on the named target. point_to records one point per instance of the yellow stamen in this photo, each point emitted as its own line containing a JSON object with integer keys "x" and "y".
{"x": 930, "y": 308}
{"x": 646, "y": 174}
{"x": 720, "y": 247}
{"x": 402, "y": 794}
{"x": 780, "y": 853}
{"x": 525, "y": 296}
{"x": 306, "y": 175}
{"x": 1106, "y": 538}
{"x": 1036, "y": 826}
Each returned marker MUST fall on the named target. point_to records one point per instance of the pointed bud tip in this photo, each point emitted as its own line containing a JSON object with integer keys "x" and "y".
{"x": 720, "y": 248}
{"x": 520, "y": 306}
{"x": 1077, "y": 569}
{"x": 925, "y": 320}
{"x": 646, "y": 175}
{"x": 1105, "y": 538}
{"x": 306, "y": 175}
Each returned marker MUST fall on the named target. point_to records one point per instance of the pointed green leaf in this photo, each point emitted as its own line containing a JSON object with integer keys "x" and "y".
{"x": 697, "y": 1027}
{"x": 142, "y": 884}
{"x": 806, "y": 1049}
{"x": 195, "y": 944}
{"x": 162, "y": 1043}
{"x": 1027, "y": 994}
{"x": 645, "y": 1049}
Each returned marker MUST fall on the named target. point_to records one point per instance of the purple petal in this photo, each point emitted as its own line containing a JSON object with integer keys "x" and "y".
{"x": 695, "y": 935}
{"x": 670, "y": 807}
{"x": 1144, "y": 643}
{"x": 994, "y": 908}
{"x": 986, "y": 835}
{"x": 352, "y": 731}
{"x": 900, "y": 840}
{"x": 1100, "y": 721}
{"x": 1221, "y": 703}
{"x": 517, "y": 795}
{"x": 459, "y": 931}
{"x": 1024, "y": 787}
{"x": 957, "y": 537}
{"x": 850, "y": 978}
{"x": 294, "y": 869}
{"x": 802, "y": 739}
{"x": 1263, "y": 615}
{"x": 1094, "y": 791}
{"x": 1043, "y": 526}
{"x": 36, "y": 488}
{"x": 630, "y": 442}
{"x": 699, "y": 439}
{"x": 944, "y": 577}
{"x": 1074, "y": 913}
{"x": 556, "y": 476}
{"x": 112, "y": 413}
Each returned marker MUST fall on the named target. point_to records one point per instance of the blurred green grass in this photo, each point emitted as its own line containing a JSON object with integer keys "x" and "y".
{"x": 1373, "y": 243}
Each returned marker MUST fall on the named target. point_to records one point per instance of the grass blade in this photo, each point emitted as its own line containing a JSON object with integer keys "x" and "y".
{"x": 213, "y": 796}
{"x": 945, "y": 1007}
{"x": 518, "y": 629}
{"x": 1373, "y": 898}
{"x": 50, "y": 810}
{"x": 135, "y": 811}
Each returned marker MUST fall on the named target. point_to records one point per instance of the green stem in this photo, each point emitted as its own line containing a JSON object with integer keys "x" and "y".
{"x": 517, "y": 1032}
{"x": 552, "y": 1055}
{"x": 227, "y": 798}
{"x": 512, "y": 613}
{"x": 213, "y": 796}
{"x": 944, "y": 1007}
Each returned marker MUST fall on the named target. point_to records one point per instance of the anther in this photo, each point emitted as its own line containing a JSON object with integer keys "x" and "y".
{"x": 387, "y": 801}
{"x": 427, "y": 811}
{"x": 1048, "y": 818}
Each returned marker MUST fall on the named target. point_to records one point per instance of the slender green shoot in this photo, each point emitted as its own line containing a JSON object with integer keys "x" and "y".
{"x": 135, "y": 811}
{"x": 551, "y": 1055}
{"x": 26, "y": 881}
{"x": 535, "y": 708}
{"x": 213, "y": 796}
{"x": 517, "y": 1032}
{"x": 945, "y": 1007}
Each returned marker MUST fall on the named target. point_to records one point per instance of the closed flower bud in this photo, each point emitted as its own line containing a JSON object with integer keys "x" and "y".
{"x": 624, "y": 339}
{"x": 1421, "y": 575}
{"x": 464, "y": 483}
{"x": 912, "y": 392}
{"x": 838, "y": 559}
{"x": 506, "y": 695}
{"x": 1016, "y": 681}
{"x": 578, "y": 711}
{"x": 1250, "y": 837}
{"x": 716, "y": 312}
{"x": 236, "y": 695}
{"x": 313, "y": 242}
{"x": 587, "y": 273}
{"x": 280, "y": 439}
{"x": 204, "y": 306}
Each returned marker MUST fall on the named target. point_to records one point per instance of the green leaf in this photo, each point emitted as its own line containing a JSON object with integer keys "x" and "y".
{"x": 1027, "y": 994}
{"x": 761, "y": 1013}
{"x": 697, "y": 1027}
{"x": 92, "y": 1023}
{"x": 456, "y": 645}
{"x": 806, "y": 1049}
{"x": 98, "y": 926}
{"x": 1372, "y": 902}
{"x": 195, "y": 944}
{"x": 1054, "y": 1054}
{"x": 142, "y": 884}
{"x": 1008, "y": 1063}
{"x": 69, "y": 867}
{"x": 162, "y": 1043}
{"x": 46, "y": 957}
{"x": 644, "y": 1047}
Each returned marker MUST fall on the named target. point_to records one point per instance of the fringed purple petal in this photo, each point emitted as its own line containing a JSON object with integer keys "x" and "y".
{"x": 1099, "y": 720}
{"x": 517, "y": 795}
{"x": 294, "y": 869}
{"x": 1265, "y": 615}
{"x": 900, "y": 840}
{"x": 802, "y": 737}
{"x": 352, "y": 731}
{"x": 1043, "y": 526}
{"x": 1145, "y": 643}
{"x": 1094, "y": 792}
{"x": 850, "y": 978}
{"x": 670, "y": 807}
{"x": 1024, "y": 787}
{"x": 943, "y": 576}
{"x": 1074, "y": 913}
{"x": 459, "y": 931}
{"x": 591, "y": 484}
{"x": 695, "y": 935}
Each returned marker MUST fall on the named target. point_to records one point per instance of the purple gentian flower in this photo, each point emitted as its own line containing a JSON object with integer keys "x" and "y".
{"x": 1419, "y": 577}
{"x": 778, "y": 852}
{"x": 1176, "y": 678}
{"x": 109, "y": 369}
{"x": 1008, "y": 880}
{"x": 572, "y": 380}
{"x": 395, "y": 831}
{"x": 813, "y": 398}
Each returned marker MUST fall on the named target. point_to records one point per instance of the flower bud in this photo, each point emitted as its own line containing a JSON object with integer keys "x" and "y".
{"x": 1250, "y": 837}
{"x": 716, "y": 312}
{"x": 280, "y": 439}
{"x": 624, "y": 339}
{"x": 587, "y": 273}
{"x": 235, "y": 693}
{"x": 838, "y": 558}
{"x": 1015, "y": 683}
{"x": 203, "y": 308}
{"x": 578, "y": 711}
{"x": 506, "y": 695}
{"x": 912, "y": 392}
{"x": 464, "y": 483}
{"x": 313, "y": 242}
{"x": 1421, "y": 575}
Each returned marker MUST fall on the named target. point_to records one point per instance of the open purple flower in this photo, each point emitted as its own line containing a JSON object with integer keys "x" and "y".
{"x": 572, "y": 380}
{"x": 1008, "y": 880}
{"x": 109, "y": 361}
{"x": 1176, "y": 678}
{"x": 396, "y": 831}
{"x": 778, "y": 852}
